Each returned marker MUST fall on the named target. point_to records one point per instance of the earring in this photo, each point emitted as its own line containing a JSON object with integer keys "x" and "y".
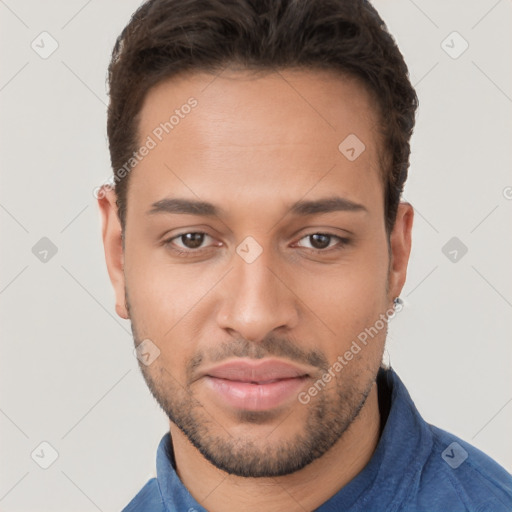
{"x": 397, "y": 301}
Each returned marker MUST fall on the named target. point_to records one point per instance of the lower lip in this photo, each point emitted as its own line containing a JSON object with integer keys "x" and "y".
{"x": 255, "y": 397}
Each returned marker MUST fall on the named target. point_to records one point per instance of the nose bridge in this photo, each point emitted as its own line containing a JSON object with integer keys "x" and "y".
{"x": 255, "y": 300}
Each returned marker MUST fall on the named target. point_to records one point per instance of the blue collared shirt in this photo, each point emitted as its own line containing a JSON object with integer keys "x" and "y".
{"x": 415, "y": 467}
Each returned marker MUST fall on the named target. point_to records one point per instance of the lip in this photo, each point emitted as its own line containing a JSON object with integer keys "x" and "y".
{"x": 255, "y": 385}
{"x": 259, "y": 371}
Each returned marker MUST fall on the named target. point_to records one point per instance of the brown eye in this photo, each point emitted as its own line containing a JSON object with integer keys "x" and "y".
{"x": 191, "y": 243}
{"x": 322, "y": 242}
{"x": 192, "y": 240}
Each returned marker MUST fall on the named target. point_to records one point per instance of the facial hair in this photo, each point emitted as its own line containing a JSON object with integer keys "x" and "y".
{"x": 329, "y": 415}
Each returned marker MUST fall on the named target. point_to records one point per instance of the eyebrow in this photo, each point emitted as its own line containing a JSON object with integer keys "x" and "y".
{"x": 327, "y": 205}
{"x": 300, "y": 208}
{"x": 185, "y": 206}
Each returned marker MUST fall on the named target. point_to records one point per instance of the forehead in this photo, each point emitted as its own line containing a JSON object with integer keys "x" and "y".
{"x": 261, "y": 134}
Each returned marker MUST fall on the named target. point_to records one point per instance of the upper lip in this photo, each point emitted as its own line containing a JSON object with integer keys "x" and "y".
{"x": 255, "y": 371}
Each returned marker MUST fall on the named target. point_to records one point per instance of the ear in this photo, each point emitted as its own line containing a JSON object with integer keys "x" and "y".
{"x": 113, "y": 245}
{"x": 400, "y": 245}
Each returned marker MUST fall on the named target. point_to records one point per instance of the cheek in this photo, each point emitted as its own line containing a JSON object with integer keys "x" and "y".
{"x": 349, "y": 299}
{"x": 162, "y": 312}
{"x": 165, "y": 300}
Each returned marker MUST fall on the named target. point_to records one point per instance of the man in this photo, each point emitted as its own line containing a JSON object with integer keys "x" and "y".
{"x": 256, "y": 240}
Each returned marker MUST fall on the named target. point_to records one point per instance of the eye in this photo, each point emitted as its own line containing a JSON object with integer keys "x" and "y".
{"x": 187, "y": 242}
{"x": 321, "y": 242}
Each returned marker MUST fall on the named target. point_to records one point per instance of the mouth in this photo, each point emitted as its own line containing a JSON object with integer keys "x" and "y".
{"x": 255, "y": 385}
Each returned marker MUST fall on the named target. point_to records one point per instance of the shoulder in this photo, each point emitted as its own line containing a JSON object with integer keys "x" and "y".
{"x": 458, "y": 476}
{"x": 148, "y": 499}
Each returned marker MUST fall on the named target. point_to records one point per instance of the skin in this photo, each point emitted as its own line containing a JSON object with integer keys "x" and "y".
{"x": 254, "y": 146}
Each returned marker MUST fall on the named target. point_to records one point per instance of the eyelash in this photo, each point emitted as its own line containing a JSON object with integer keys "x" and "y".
{"x": 342, "y": 243}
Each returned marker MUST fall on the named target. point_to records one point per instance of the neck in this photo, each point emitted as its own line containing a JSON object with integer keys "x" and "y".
{"x": 306, "y": 489}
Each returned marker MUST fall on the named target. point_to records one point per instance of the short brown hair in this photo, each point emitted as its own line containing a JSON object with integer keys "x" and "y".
{"x": 165, "y": 37}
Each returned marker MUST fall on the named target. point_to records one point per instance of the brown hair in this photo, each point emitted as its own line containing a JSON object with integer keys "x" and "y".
{"x": 165, "y": 37}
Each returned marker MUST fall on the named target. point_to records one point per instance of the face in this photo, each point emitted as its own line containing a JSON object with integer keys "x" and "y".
{"x": 255, "y": 257}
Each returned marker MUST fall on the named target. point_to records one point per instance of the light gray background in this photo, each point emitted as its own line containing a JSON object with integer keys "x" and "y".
{"x": 68, "y": 375}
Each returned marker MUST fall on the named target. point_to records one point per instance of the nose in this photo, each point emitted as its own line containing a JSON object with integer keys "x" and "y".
{"x": 257, "y": 299}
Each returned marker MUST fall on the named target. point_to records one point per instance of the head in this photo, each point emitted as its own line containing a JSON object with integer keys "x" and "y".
{"x": 259, "y": 150}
